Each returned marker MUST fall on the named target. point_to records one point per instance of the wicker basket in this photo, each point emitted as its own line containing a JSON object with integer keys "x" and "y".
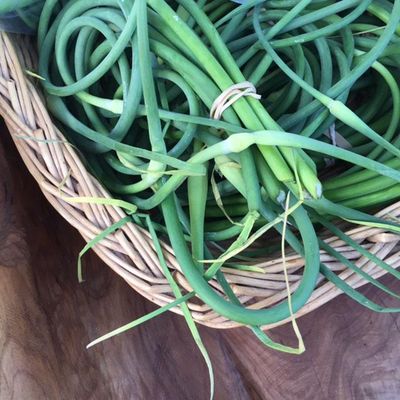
{"x": 58, "y": 170}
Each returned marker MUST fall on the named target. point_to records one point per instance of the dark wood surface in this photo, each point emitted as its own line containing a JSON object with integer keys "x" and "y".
{"x": 47, "y": 318}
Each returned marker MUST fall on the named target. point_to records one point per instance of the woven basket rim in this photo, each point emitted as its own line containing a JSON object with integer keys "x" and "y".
{"x": 56, "y": 166}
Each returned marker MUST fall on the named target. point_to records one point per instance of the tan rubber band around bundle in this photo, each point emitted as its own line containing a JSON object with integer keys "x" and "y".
{"x": 230, "y": 96}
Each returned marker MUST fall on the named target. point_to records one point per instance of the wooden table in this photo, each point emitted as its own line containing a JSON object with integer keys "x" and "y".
{"x": 47, "y": 318}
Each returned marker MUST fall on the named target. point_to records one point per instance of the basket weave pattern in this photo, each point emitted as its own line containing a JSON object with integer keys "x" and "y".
{"x": 60, "y": 173}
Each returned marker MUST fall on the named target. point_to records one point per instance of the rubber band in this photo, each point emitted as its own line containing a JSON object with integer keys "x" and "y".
{"x": 230, "y": 96}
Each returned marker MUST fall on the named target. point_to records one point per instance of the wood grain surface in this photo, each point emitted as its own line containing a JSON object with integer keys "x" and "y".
{"x": 47, "y": 318}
